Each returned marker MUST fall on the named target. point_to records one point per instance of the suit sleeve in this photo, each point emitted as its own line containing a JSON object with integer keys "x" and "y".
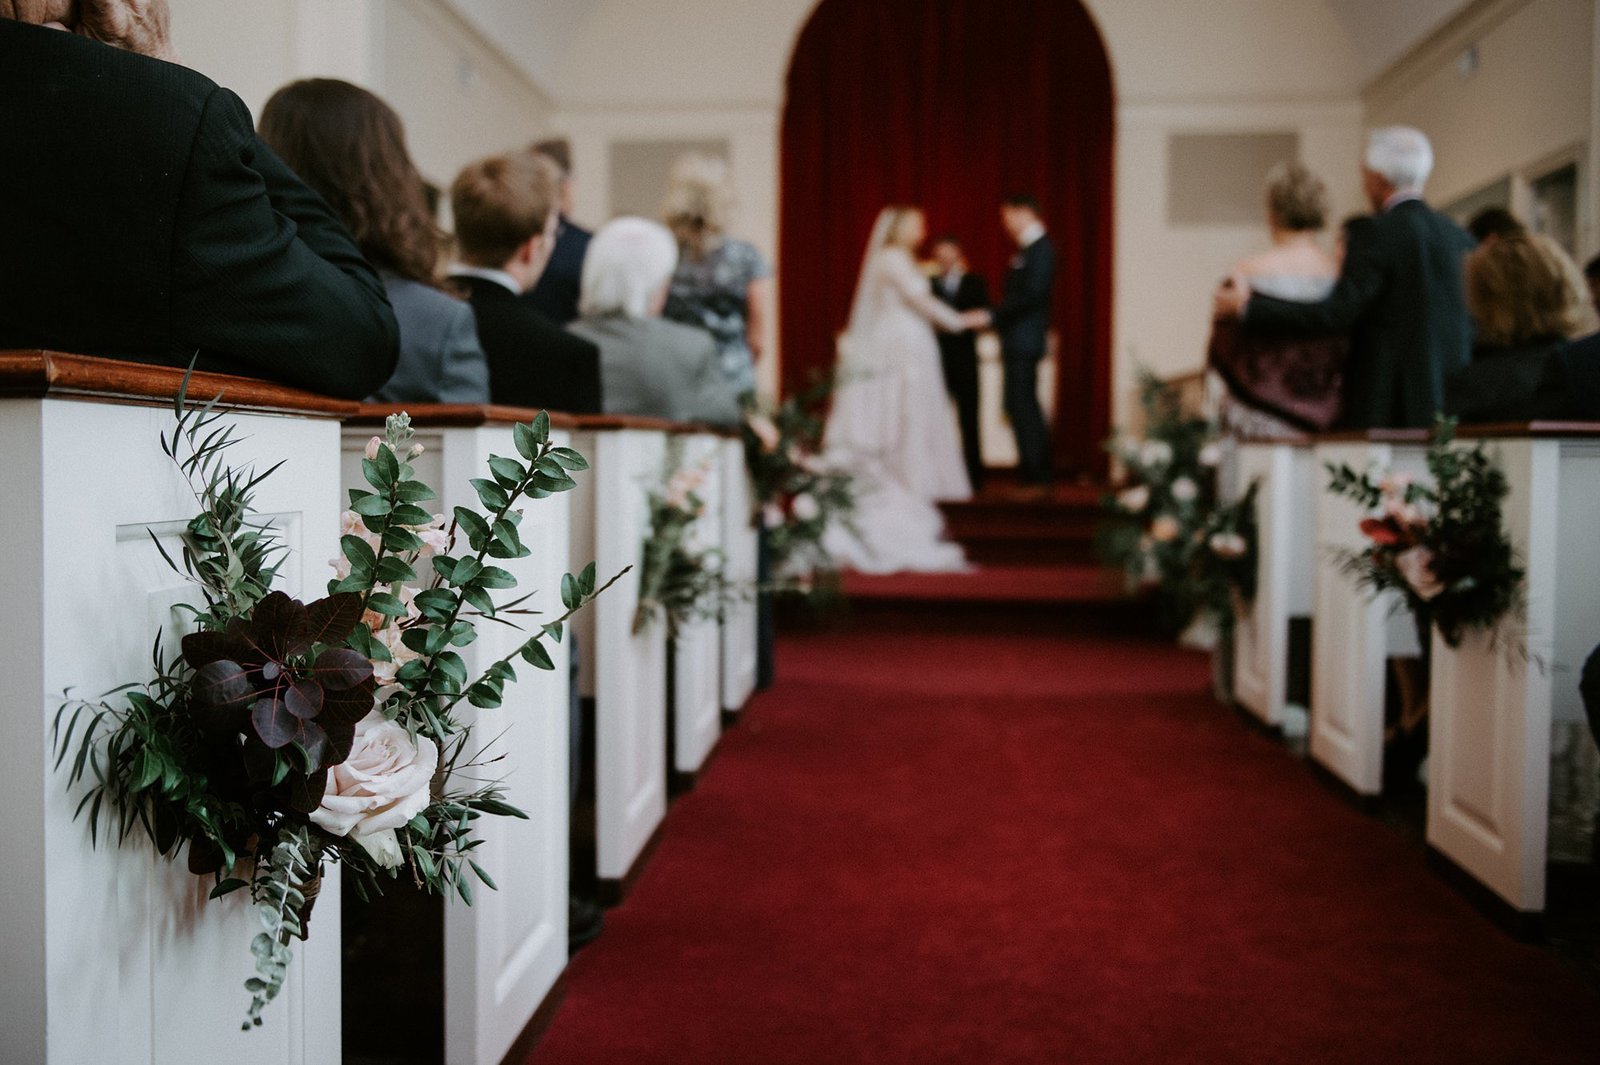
{"x": 463, "y": 369}
{"x": 588, "y": 397}
{"x": 980, "y": 292}
{"x": 1360, "y": 282}
{"x": 1033, "y": 294}
{"x": 265, "y": 277}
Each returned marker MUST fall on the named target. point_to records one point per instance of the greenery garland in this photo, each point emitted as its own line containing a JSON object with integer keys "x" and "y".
{"x": 678, "y": 581}
{"x": 1442, "y": 547}
{"x": 243, "y": 751}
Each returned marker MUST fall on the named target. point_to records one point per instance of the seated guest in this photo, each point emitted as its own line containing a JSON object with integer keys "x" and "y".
{"x": 142, "y": 219}
{"x": 1569, "y": 390}
{"x": 648, "y": 365}
{"x": 505, "y": 215}
{"x": 349, "y": 146}
{"x": 1281, "y": 384}
{"x": 1398, "y": 297}
{"x": 1527, "y": 299}
{"x": 556, "y": 294}
{"x": 1494, "y": 222}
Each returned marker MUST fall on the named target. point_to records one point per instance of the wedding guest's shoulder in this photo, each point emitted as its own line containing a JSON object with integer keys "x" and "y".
{"x": 687, "y": 338}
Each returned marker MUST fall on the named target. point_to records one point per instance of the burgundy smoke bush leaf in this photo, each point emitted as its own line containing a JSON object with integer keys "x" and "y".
{"x": 340, "y": 668}
{"x": 303, "y": 699}
{"x": 305, "y": 791}
{"x": 333, "y": 619}
{"x": 222, "y": 685}
{"x": 274, "y": 724}
{"x": 280, "y": 627}
{"x": 202, "y": 648}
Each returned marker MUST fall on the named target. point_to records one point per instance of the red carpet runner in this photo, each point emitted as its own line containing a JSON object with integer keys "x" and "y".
{"x": 997, "y": 848}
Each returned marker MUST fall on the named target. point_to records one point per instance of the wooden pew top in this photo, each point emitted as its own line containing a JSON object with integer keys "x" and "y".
{"x": 38, "y": 374}
{"x": 1530, "y": 430}
{"x": 455, "y": 415}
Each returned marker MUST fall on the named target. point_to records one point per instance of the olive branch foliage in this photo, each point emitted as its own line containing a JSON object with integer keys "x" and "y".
{"x": 174, "y": 759}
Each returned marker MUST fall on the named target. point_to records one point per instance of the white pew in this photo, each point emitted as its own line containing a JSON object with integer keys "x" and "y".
{"x": 624, "y": 672}
{"x": 741, "y": 545}
{"x": 1288, "y": 481}
{"x": 1489, "y": 741}
{"x": 1353, "y": 632}
{"x": 110, "y": 953}
{"x": 697, "y": 649}
{"x": 503, "y": 954}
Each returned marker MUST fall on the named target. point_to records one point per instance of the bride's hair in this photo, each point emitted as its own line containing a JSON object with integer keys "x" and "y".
{"x": 899, "y": 214}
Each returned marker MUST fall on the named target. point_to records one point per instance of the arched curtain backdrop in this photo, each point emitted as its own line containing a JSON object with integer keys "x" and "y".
{"x": 953, "y": 104}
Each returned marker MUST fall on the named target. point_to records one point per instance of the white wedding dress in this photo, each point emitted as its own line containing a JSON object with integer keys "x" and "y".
{"x": 892, "y": 424}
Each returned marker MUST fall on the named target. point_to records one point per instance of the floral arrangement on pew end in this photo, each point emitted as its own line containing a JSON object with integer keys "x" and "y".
{"x": 287, "y": 735}
{"x": 799, "y": 495}
{"x": 1166, "y": 528}
{"x": 678, "y": 581}
{"x": 1444, "y": 547}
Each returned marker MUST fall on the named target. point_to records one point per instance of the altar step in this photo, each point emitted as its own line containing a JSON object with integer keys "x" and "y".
{"x": 1002, "y": 526}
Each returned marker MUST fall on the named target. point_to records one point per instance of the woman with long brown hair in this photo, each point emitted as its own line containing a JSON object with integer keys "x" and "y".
{"x": 350, "y": 147}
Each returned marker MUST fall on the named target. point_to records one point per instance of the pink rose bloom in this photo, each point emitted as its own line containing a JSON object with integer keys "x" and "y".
{"x": 1416, "y": 566}
{"x": 434, "y": 536}
{"x": 1165, "y": 529}
{"x": 383, "y": 784}
{"x": 1228, "y": 545}
{"x": 372, "y": 447}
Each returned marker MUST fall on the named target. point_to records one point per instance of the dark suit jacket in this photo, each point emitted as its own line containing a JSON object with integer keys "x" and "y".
{"x": 971, "y": 294}
{"x": 1570, "y": 387}
{"x": 1023, "y": 317}
{"x": 532, "y": 361}
{"x": 441, "y": 360}
{"x": 555, "y": 295}
{"x": 140, "y": 218}
{"x": 1400, "y": 300}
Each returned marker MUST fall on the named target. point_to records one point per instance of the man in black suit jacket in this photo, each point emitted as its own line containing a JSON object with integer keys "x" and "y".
{"x": 555, "y": 294}
{"x": 1399, "y": 295}
{"x": 141, "y": 218}
{"x": 1023, "y": 322}
{"x": 964, "y": 291}
{"x": 505, "y": 215}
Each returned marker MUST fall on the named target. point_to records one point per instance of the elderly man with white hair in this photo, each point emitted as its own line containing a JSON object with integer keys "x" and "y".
{"x": 648, "y": 365}
{"x": 1399, "y": 296}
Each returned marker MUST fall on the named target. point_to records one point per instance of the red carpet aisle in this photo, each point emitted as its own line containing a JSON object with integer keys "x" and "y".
{"x": 1003, "y": 847}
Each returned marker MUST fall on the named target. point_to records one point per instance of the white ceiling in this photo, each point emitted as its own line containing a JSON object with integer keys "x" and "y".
{"x": 1382, "y": 31}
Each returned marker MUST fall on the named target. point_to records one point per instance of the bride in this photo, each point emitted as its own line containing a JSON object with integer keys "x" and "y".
{"x": 891, "y": 423}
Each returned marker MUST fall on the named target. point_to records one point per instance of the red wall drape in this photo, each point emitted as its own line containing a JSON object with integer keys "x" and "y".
{"x": 953, "y": 104}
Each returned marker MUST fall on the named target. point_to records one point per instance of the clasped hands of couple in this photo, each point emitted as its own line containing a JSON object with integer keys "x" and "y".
{"x": 133, "y": 25}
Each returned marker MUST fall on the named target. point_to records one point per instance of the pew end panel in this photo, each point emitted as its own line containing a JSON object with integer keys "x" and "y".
{"x": 124, "y": 956}
{"x": 697, "y": 650}
{"x": 742, "y": 563}
{"x": 506, "y": 952}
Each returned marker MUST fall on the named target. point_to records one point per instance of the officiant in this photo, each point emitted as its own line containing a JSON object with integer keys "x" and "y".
{"x": 964, "y": 290}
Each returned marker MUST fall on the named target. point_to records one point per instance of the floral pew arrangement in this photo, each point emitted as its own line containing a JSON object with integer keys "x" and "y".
{"x": 1442, "y": 548}
{"x": 677, "y": 581}
{"x": 1166, "y": 528}
{"x": 289, "y": 735}
{"x": 799, "y": 495}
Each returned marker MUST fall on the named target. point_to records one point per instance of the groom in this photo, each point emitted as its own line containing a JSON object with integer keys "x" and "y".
{"x": 1023, "y": 322}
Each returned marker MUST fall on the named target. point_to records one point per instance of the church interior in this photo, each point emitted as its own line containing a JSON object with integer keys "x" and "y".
{"x": 1208, "y": 725}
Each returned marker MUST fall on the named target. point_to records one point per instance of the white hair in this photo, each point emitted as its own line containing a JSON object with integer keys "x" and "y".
{"x": 630, "y": 260}
{"x": 1402, "y": 155}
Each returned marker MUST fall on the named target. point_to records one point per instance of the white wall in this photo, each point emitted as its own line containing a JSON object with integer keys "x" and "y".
{"x": 1529, "y": 99}
{"x": 460, "y": 96}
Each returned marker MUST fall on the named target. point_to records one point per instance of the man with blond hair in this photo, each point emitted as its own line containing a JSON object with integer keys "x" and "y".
{"x": 505, "y": 210}
{"x": 1399, "y": 297}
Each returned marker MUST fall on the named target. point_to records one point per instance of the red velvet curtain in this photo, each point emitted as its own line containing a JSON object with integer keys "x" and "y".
{"x": 953, "y": 104}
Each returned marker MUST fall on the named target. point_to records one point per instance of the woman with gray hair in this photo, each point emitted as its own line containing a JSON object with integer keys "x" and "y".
{"x": 648, "y": 365}
{"x": 722, "y": 285}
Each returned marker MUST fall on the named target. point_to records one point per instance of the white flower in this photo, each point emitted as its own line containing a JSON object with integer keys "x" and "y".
{"x": 1184, "y": 490}
{"x": 683, "y": 484}
{"x": 1155, "y": 453}
{"x": 414, "y": 451}
{"x": 434, "y": 536}
{"x": 399, "y": 654}
{"x": 382, "y": 785}
{"x": 766, "y": 432}
{"x": 1165, "y": 529}
{"x": 1416, "y": 566}
{"x": 1211, "y": 454}
{"x": 373, "y": 445}
{"x": 1395, "y": 484}
{"x": 1229, "y": 545}
{"x": 1134, "y": 499}
{"x": 350, "y": 524}
{"x": 772, "y": 516}
{"x": 805, "y": 507}
{"x": 384, "y": 847}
